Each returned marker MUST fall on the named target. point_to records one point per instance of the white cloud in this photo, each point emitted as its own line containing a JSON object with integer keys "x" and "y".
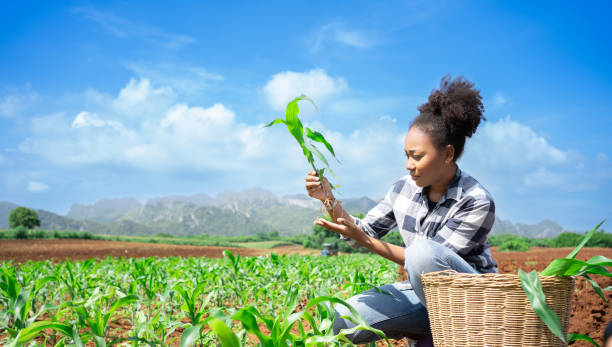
{"x": 183, "y": 78}
{"x": 86, "y": 119}
{"x": 37, "y": 187}
{"x": 388, "y": 118}
{"x": 510, "y": 144}
{"x": 13, "y": 104}
{"x": 339, "y": 33}
{"x": 317, "y": 84}
{"x": 138, "y": 93}
{"x": 352, "y": 38}
{"x": 511, "y": 157}
{"x": 499, "y": 100}
{"x": 123, "y": 29}
{"x": 602, "y": 158}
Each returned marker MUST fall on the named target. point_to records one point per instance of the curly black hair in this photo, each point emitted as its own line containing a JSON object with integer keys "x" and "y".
{"x": 451, "y": 113}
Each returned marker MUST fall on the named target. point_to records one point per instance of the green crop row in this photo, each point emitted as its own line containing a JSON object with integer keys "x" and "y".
{"x": 268, "y": 301}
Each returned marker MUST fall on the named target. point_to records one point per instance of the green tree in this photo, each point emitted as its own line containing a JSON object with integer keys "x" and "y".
{"x": 25, "y": 217}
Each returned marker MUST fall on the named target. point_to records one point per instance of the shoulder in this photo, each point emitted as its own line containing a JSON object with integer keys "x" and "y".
{"x": 473, "y": 191}
{"x": 404, "y": 186}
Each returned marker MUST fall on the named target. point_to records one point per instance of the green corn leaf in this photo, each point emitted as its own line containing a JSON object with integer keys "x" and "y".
{"x": 247, "y": 316}
{"x": 76, "y": 338}
{"x": 596, "y": 287}
{"x": 573, "y": 337}
{"x": 316, "y": 151}
{"x": 586, "y": 239}
{"x": 306, "y": 98}
{"x": 27, "y": 334}
{"x": 293, "y": 121}
{"x": 318, "y": 137}
{"x": 99, "y": 341}
{"x": 276, "y": 121}
{"x": 225, "y": 334}
{"x": 366, "y": 284}
{"x": 190, "y": 335}
{"x": 41, "y": 282}
{"x": 573, "y": 267}
{"x": 533, "y": 288}
{"x": 355, "y": 316}
{"x": 600, "y": 260}
{"x": 307, "y": 154}
{"x": 563, "y": 267}
{"x": 126, "y": 300}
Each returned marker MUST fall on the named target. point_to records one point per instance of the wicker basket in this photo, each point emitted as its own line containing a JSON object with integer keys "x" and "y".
{"x": 492, "y": 309}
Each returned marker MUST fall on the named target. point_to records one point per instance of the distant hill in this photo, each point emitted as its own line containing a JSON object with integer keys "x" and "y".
{"x": 5, "y": 209}
{"x": 105, "y": 210}
{"x": 544, "y": 229}
{"x": 229, "y": 213}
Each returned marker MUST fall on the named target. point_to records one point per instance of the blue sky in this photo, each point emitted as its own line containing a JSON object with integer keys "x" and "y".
{"x": 143, "y": 99}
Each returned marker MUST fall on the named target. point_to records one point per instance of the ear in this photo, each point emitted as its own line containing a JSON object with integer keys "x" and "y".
{"x": 449, "y": 154}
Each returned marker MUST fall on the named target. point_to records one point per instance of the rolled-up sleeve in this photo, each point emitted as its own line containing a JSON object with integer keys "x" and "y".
{"x": 381, "y": 218}
{"x": 469, "y": 227}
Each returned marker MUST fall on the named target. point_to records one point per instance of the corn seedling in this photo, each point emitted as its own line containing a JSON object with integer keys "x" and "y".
{"x": 306, "y": 136}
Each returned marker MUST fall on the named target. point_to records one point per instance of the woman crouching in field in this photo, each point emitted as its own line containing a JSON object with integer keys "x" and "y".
{"x": 442, "y": 213}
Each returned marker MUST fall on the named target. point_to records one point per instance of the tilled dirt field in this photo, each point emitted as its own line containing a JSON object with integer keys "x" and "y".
{"x": 590, "y": 314}
{"x": 58, "y": 250}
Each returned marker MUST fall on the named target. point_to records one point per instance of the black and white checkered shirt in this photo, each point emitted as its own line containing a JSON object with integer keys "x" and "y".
{"x": 460, "y": 220}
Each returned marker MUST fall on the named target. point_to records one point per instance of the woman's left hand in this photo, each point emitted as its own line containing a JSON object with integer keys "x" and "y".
{"x": 343, "y": 227}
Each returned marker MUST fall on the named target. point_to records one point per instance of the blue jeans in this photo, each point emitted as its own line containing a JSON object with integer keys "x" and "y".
{"x": 403, "y": 314}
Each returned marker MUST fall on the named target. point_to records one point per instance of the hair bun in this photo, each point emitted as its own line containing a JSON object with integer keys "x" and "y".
{"x": 458, "y": 103}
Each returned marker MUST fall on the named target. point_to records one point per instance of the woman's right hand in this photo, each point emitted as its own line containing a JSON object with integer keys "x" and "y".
{"x": 317, "y": 189}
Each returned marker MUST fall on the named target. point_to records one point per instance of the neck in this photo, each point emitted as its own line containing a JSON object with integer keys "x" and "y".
{"x": 446, "y": 179}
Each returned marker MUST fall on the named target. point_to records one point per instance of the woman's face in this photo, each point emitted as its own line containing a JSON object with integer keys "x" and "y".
{"x": 424, "y": 161}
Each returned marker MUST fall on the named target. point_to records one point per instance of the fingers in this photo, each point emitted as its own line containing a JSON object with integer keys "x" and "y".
{"x": 337, "y": 228}
{"x": 311, "y": 178}
{"x": 313, "y": 185}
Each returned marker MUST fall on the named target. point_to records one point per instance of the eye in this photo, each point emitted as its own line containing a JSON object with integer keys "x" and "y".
{"x": 417, "y": 157}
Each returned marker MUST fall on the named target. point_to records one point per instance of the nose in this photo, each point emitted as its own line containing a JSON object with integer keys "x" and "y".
{"x": 409, "y": 165}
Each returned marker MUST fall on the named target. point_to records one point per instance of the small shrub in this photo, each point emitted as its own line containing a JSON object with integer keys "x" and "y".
{"x": 21, "y": 232}
{"x": 86, "y": 235}
{"x": 38, "y": 234}
{"x": 516, "y": 245}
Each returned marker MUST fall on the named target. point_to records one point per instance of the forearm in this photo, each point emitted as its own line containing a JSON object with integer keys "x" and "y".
{"x": 387, "y": 250}
{"x": 335, "y": 210}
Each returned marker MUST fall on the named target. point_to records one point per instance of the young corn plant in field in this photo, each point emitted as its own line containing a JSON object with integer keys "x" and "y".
{"x": 97, "y": 320}
{"x": 568, "y": 266}
{"x": 305, "y": 140}
{"x": 280, "y": 327}
{"x": 19, "y": 302}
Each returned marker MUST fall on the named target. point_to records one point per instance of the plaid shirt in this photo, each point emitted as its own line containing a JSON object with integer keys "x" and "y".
{"x": 461, "y": 220}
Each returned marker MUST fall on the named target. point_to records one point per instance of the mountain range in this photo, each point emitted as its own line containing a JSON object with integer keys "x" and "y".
{"x": 229, "y": 214}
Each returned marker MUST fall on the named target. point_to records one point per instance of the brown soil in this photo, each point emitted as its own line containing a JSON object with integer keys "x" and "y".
{"x": 590, "y": 314}
{"x": 58, "y": 250}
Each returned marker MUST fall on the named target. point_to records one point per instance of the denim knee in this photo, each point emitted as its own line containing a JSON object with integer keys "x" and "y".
{"x": 421, "y": 256}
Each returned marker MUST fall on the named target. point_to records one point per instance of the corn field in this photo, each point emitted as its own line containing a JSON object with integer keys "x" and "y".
{"x": 233, "y": 301}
